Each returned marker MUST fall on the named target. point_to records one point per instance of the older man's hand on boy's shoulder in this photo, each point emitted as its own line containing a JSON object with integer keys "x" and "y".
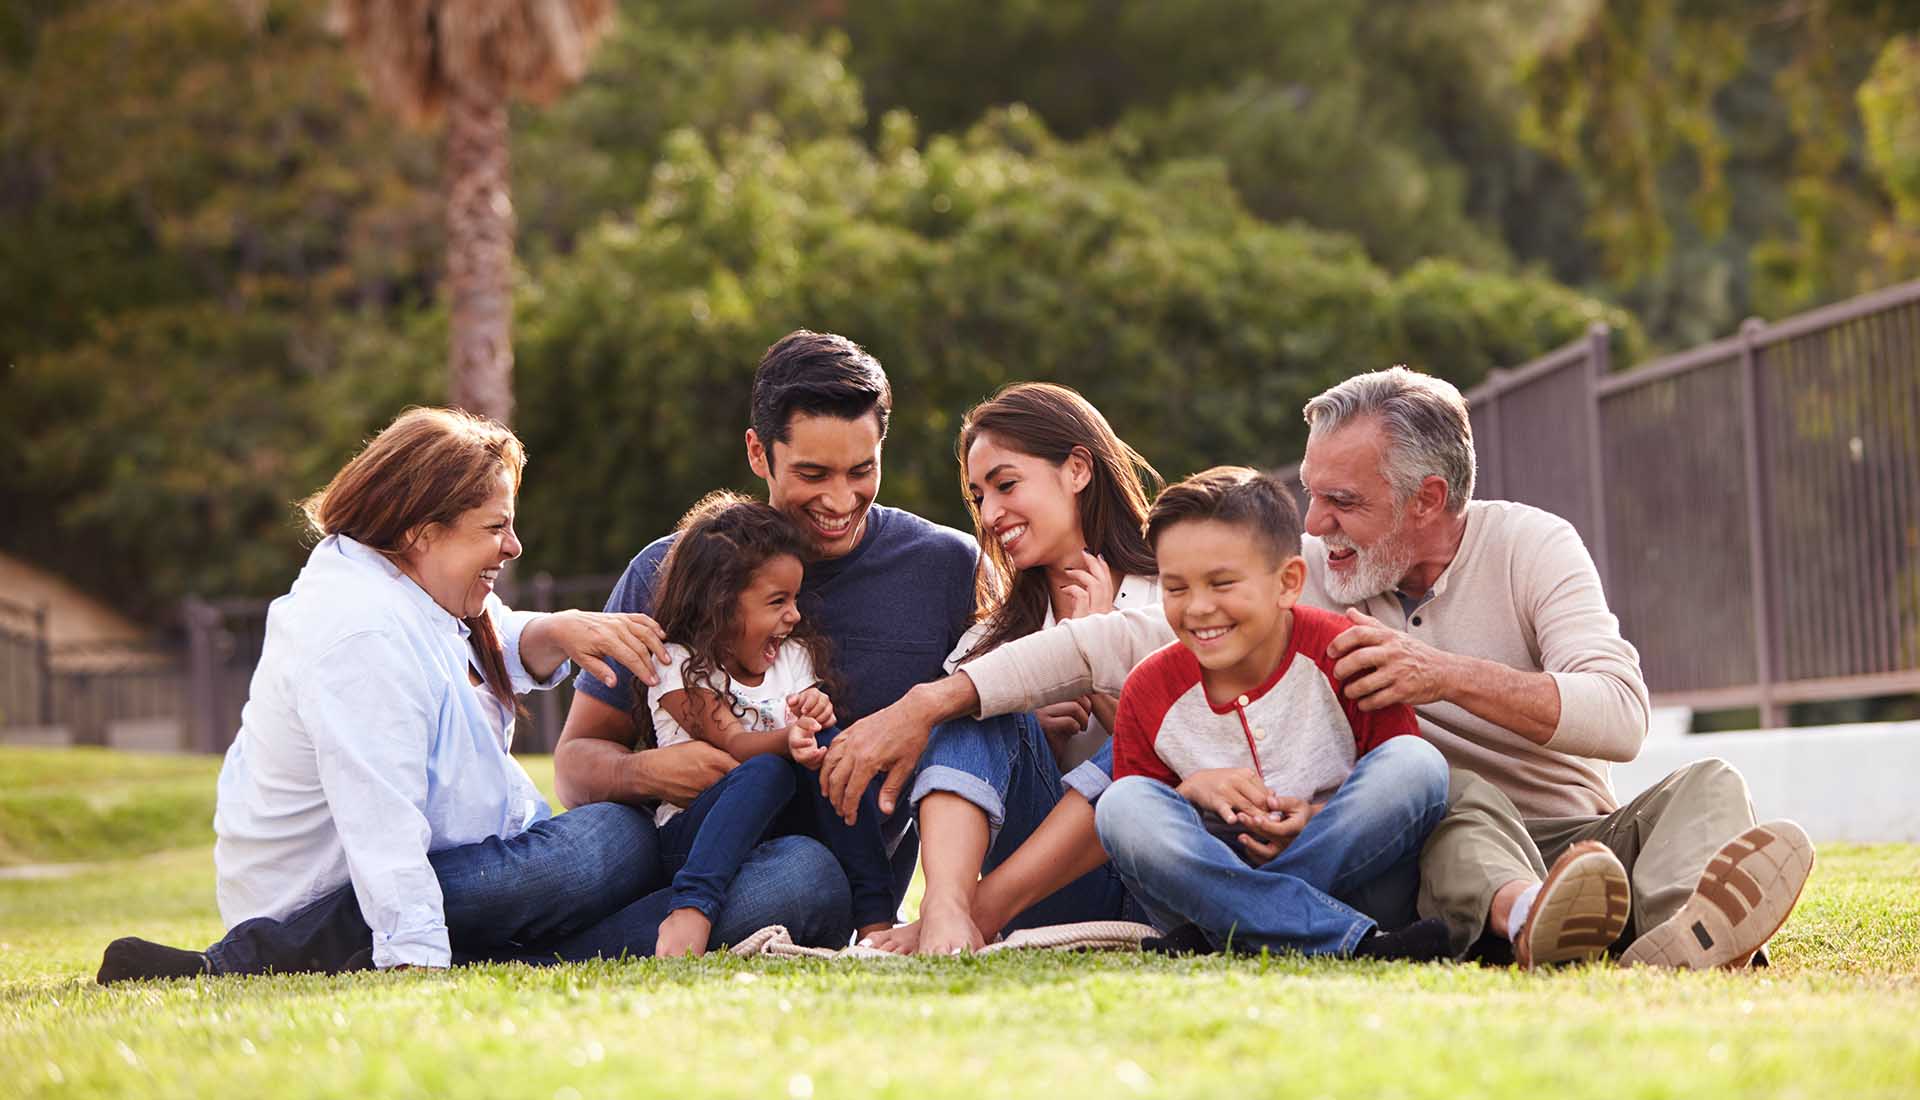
{"x": 1381, "y": 666}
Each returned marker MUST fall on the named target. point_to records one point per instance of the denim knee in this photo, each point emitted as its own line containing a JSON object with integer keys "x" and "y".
{"x": 768, "y": 768}
{"x": 579, "y": 865}
{"x": 1412, "y": 765}
{"x": 1125, "y": 817}
{"x": 618, "y": 853}
{"x": 974, "y": 759}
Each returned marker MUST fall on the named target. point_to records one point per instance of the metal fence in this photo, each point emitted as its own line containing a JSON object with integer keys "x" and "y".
{"x": 1753, "y": 505}
{"x": 86, "y": 688}
{"x": 24, "y": 698}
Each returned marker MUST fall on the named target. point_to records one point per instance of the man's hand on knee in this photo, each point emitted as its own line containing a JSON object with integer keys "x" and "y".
{"x": 890, "y": 740}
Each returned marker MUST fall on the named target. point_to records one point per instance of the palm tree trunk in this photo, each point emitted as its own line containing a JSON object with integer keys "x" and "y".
{"x": 479, "y": 254}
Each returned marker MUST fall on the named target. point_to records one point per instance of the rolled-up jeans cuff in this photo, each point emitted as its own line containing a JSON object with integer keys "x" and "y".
{"x": 1089, "y": 779}
{"x": 940, "y": 778}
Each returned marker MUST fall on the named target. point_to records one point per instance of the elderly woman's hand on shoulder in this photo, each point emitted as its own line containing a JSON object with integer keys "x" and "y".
{"x": 591, "y": 638}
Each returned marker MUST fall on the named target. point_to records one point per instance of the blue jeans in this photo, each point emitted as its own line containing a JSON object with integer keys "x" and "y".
{"x": 705, "y": 845}
{"x": 566, "y": 888}
{"x": 1362, "y": 848}
{"x": 1004, "y": 766}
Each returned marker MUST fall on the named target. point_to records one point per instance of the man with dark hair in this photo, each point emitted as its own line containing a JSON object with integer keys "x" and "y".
{"x": 892, "y": 591}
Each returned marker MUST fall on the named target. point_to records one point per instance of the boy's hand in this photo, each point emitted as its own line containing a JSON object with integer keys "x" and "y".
{"x": 811, "y": 703}
{"x": 1268, "y": 834}
{"x": 1227, "y": 793}
{"x": 803, "y": 742}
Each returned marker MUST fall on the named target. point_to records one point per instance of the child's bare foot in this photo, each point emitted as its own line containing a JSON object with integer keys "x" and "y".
{"x": 684, "y": 932}
{"x": 946, "y": 928}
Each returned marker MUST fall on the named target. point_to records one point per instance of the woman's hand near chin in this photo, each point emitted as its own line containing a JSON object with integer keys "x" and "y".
{"x": 1091, "y": 587}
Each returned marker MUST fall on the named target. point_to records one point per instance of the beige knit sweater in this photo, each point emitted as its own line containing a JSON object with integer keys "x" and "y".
{"x": 1521, "y": 591}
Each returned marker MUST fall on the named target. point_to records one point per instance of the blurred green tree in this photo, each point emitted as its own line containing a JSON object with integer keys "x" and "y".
{"x": 963, "y": 262}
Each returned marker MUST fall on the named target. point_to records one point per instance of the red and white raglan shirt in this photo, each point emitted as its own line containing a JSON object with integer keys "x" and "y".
{"x": 1296, "y": 731}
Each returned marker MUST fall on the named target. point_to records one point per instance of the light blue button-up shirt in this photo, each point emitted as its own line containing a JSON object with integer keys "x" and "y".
{"x": 362, "y": 747}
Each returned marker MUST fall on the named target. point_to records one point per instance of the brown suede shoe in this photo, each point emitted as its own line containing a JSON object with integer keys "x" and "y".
{"x": 1744, "y": 896}
{"x": 1581, "y": 909}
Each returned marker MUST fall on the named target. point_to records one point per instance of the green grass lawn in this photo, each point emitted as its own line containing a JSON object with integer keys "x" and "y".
{"x": 1837, "y": 1016}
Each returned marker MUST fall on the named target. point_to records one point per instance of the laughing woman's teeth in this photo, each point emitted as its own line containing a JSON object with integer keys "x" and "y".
{"x": 1010, "y": 534}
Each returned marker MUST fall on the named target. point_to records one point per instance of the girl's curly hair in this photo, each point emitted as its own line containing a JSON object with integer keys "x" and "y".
{"x": 722, "y": 541}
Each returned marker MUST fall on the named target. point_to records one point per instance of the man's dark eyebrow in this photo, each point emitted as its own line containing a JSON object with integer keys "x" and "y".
{"x": 823, "y": 468}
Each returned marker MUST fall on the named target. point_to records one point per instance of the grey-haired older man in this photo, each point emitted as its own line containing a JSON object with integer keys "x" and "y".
{"x": 1489, "y": 619}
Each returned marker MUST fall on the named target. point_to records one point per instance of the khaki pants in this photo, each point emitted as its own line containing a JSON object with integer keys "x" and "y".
{"x": 1664, "y": 838}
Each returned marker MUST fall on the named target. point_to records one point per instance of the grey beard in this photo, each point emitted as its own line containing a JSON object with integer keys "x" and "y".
{"x": 1376, "y": 569}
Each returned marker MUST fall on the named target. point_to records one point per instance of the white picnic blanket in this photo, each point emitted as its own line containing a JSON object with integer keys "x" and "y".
{"x": 774, "y": 942}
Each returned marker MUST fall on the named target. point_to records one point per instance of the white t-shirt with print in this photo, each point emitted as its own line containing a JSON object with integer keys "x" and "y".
{"x": 760, "y": 707}
{"x": 1133, "y": 592}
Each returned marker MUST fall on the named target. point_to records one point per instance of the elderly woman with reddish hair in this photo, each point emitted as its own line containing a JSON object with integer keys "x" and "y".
{"x": 369, "y": 812}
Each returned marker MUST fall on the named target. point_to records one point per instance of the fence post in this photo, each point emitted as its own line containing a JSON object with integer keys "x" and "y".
{"x": 1597, "y": 367}
{"x": 200, "y": 619}
{"x": 43, "y": 661}
{"x": 1496, "y": 384}
{"x": 1758, "y": 523}
{"x": 548, "y": 702}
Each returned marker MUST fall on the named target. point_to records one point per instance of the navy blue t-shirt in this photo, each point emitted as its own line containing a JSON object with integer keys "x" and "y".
{"x": 894, "y": 608}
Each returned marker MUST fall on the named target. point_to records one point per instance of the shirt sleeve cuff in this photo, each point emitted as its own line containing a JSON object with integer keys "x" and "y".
{"x": 423, "y": 946}
{"x": 512, "y": 625}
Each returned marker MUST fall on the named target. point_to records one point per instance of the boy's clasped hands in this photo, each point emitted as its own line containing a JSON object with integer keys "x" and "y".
{"x": 1238, "y": 798}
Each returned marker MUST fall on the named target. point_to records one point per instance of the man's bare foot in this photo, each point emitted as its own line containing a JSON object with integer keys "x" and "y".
{"x": 901, "y": 939}
{"x": 684, "y": 932}
{"x": 946, "y": 928}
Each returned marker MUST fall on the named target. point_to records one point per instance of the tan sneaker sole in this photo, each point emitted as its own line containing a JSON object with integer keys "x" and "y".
{"x": 1581, "y": 909}
{"x": 1746, "y": 893}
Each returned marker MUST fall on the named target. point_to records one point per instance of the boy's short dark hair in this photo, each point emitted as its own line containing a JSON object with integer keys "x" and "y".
{"x": 816, "y": 373}
{"x": 1238, "y": 495}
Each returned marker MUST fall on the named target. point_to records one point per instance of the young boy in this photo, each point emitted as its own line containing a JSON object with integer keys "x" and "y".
{"x": 1239, "y": 734}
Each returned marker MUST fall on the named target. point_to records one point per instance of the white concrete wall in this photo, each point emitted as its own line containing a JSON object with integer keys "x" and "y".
{"x": 1855, "y": 782}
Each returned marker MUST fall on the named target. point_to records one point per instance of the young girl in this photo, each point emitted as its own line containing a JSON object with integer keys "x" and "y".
{"x": 1058, "y": 502}
{"x": 746, "y": 674}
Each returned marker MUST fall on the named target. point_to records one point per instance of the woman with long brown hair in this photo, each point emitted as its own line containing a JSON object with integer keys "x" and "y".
{"x": 1058, "y": 502}
{"x": 369, "y": 812}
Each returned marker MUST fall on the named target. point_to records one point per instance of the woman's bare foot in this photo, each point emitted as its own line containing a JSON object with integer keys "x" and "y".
{"x": 946, "y": 928}
{"x": 684, "y": 932}
{"x": 903, "y": 939}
